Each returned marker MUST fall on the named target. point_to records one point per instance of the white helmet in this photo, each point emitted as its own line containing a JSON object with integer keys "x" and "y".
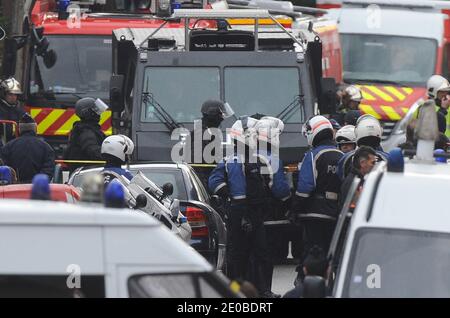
{"x": 346, "y": 135}
{"x": 435, "y": 84}
{"x": 244, "y": 131}
{"x": 269, "y": 129}
{"x": 314, "y": 126}
{"x": 366, "y": 126}
{"x": 11, "y": 86}
{"x": 354, "y": 93}
{"x": 118, "y": 146}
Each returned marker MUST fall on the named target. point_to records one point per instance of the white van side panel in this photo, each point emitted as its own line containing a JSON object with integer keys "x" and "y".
{"x": 32, "y": 249}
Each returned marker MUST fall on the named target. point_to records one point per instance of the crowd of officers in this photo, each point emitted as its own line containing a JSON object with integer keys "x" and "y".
{"x": 251, "y": 182}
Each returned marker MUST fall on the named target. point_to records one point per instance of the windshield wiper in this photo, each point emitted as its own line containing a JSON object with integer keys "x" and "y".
{"x": 162, "y": 115}
{"x": 368, "y": 81}
{"x": 297, "y": 101}
{"x": 50, "y": 95}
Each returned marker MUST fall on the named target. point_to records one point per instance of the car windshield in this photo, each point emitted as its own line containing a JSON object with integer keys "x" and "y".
{"x": 249, "y": 90}
{"x": 263, "y": 90}
{"x": 158, "y": 175}
{"x": 388, "y": 58}
{"x": 83, "y": 68}
{"x": 180, "y": 91}
{"x": 399, "y": 263}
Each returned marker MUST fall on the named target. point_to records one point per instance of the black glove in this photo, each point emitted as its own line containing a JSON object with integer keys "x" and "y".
{"x": 246, "y": 225}
{"x": 223, "y": 193}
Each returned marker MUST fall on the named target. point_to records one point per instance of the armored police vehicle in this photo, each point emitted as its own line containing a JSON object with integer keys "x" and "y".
{"x": 163, "y": 75}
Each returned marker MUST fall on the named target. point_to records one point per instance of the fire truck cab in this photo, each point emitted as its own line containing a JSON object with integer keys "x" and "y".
{"x": 66, "y": 56}
{"x": 162, "y": 77}
{"x": 390, "y": 49}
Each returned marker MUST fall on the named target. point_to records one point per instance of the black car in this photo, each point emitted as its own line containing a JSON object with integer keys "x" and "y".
{"x": 208, "y": 227}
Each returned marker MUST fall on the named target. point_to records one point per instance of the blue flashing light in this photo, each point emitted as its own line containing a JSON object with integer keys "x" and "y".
{"x": 114, "y": 195}
{"x": 183, "y": 219}
{"x": 62, "y": 5}
{"x": 396, "y": 162}
{"x": 40, "y": 189}
{"x": 175, "y": 5}
{"x": 5, "y": 175}
{"x": 440, "y": 152}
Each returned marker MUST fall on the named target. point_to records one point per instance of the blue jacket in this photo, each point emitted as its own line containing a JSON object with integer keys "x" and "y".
{"x": 230, "y": 173}
{"x": 344, "y": 164}
{"x": 307, "y": 175}
{"x": 122, "y": 172}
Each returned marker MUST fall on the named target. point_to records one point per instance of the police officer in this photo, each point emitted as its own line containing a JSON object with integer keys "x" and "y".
{"x": 29, "y": 155}
{"x": 346, "y": 138}
{"x": 268, "y": 130}
{"x": 9, "y": 105}
{"x": 116, "y": 150}
{"x": 86, "y": 137}
{"x": 350, "y": 100}
{"x": 316, "y": 199}
{"x": 368, "y": 132}
{"x": 238, "y": 177}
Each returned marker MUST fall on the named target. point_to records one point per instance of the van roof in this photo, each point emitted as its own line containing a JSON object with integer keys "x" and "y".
{"x": 403, "y": 200}
{"x": 393, "y": 21}
{"x": 60, "y": 213}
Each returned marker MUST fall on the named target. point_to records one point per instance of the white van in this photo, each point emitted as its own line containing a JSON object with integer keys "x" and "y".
{"x": 54, "y": 249}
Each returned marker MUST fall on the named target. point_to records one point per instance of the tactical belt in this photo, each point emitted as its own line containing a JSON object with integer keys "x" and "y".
{"x": 328, "y": 196}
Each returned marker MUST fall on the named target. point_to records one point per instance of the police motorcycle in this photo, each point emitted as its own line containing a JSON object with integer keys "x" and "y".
{"x": 143, "y": 194}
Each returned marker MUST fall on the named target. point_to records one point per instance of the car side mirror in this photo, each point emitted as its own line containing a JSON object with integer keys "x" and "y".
{"x": 167, "y": 189}
{"x": 116, "y": 93}
{"x": 141, "y": 201}
{"x": 314, "y": 287}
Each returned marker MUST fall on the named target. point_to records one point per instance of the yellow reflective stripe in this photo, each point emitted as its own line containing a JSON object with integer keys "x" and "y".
{"x": 260, "y": 21}
{"x": 325, "y": 28}
{"x": 409, "y": 90}
{"x": 369, "y": 110}
{"x": 380, "y": 93}
{"x": 67, "y": 126}
{"x": 34, "y": 112}
{"x": 394, "y": 91}
{"x": 49, "y": 120}
{"x": 104, "y": 117}
{"x": 366, "y": 95}
{"x": 391, "y": 113}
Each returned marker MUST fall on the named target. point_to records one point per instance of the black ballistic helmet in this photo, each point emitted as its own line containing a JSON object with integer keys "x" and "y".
{"x": 85, "y": 108}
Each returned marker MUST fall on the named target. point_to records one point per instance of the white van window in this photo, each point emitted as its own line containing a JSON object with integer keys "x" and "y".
{"x": 50, "y": 286}
{"x": 173, "y": 286}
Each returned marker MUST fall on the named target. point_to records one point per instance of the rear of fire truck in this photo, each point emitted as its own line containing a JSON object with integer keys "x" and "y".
{"x": 390, "y": 49}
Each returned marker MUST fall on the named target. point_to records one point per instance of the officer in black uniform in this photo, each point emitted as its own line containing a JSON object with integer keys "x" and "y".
{"x": 28, "y": 155}
{"x": 86, "y": 137}
{"x": 239, "y": 179}
{"x": 316, "y": 199}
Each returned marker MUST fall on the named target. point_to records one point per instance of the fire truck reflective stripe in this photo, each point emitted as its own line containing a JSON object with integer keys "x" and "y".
{"x": 366, "y": 95}
{"x": 407, "y": 90}
{"x": 394, "y": 91}
{"x": 367, "y": 109}
{"x": 405, "y": 110}
{"x": 105, "y": 123}
{"x": 38, "y": 115}
{"x": 284, "y": 22}
{"x": 67, "y": 126}
{"x": 391, "y": 113}
{"x": 380, "y": 93}
{"x": 49, "y": 120}
{"x": 53, "y": 129}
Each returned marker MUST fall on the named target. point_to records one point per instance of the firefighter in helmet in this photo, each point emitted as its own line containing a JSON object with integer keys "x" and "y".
{"x": 10, "y": 91}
